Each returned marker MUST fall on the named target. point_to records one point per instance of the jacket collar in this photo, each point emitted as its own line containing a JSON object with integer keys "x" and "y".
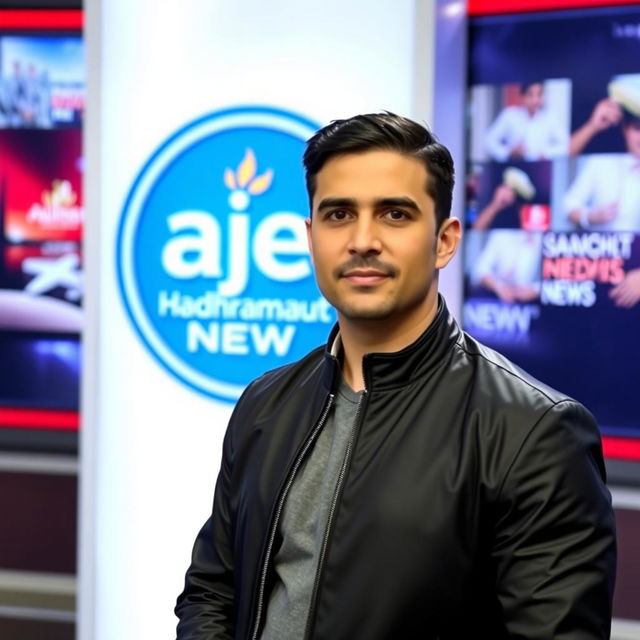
{"x": 387, "y": 370}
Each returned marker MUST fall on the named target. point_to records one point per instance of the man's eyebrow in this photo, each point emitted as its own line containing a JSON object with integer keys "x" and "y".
{"x": 398, "y": 201}
{"x": 405, "y": 202}
{"x": 330, "y": 203}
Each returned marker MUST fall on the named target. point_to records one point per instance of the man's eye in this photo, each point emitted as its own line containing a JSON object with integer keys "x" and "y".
{"x": 397, "y": 215}
{"x": 338, "y": 214}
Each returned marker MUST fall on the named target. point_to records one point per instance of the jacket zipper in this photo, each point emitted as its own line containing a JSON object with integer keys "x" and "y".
{"x": 278, "y": 513}
{"x": 334, "y": 503}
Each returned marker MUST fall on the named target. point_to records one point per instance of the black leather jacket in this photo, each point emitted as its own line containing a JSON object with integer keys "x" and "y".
{"x": 472, "y": 503}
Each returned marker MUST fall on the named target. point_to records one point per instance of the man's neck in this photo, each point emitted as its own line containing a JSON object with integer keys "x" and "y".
{"x": 389, "y": 335}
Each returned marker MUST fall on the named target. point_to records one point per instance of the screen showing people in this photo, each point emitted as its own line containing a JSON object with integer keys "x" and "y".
{"x": 41, "y": 81}
{"x": 552, "y": 255}
{"x": 41, "y": 219}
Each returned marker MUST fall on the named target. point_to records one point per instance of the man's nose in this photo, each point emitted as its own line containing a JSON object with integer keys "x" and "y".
{"x": 365, "y": 237}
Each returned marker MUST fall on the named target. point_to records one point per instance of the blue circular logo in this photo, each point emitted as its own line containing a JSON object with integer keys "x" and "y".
{"x": 212, "y": 255}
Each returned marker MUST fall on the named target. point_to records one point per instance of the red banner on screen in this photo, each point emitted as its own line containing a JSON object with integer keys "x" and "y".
{"x": 41, "y": 19}
{"x": 492, "y": 7}
{"x": 18, "y": 418}
{"x": 621, "y": 448}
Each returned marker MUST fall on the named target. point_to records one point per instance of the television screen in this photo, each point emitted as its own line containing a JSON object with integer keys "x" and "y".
{"x": 552, "y": 252}
{"x": 42, "y": 96}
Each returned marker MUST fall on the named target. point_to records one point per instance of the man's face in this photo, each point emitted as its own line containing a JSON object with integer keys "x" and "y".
{"x": 631, "y": 134}
{"x": 372, "y": 236}
{"x": 533, "y": 98}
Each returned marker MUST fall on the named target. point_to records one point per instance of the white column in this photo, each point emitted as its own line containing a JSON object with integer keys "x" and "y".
{"x": 150, "y": 445}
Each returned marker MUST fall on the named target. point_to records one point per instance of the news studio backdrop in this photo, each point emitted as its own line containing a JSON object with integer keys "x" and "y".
{"x": 192, "y": 140}
{"x": 42, "y": 89}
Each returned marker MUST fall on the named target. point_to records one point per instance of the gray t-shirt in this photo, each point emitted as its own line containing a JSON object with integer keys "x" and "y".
{"x": 304, "y": 520}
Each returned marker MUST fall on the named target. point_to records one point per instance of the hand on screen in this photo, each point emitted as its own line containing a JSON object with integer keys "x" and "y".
{"x": 517, "y": 151}
{"x": 606, "y": 113}
{"x": 627, "y": 293}
{"x": 604, "y": 214}
{"x": 506, "y": 292}
{"x": 511, "y": 293}
{"x": 527, "y": 293}
{"x": 504, "y": 196}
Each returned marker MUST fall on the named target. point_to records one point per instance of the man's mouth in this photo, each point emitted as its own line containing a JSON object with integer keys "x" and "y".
{"x": 365, "y": 277}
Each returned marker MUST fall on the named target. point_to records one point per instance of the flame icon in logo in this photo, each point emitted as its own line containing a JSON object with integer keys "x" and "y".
{"x": 61, "y": 195}
{"x": 243, "y": 183}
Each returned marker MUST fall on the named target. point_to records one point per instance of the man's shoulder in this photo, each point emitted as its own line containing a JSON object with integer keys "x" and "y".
{"x": 506, "y": 380}
{"x": 292, "y": 388}
{"x": 512, "y": 407}
{"x": 301, "y": 373}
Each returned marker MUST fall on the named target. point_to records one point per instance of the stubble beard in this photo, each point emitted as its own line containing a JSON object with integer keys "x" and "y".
{"x": 356, "y": 308}
{"x": 351, "y": 310}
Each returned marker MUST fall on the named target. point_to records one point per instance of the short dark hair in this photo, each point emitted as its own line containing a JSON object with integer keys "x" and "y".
{"x": 390, "y": 132}
{"x": 527, "y": 85}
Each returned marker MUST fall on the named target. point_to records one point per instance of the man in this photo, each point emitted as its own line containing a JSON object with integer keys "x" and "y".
{"x": 528, "y": 131}
{"x": 605, "y": 196}
{"x": 16, "y": 88}
{"x": 402, "y": 481}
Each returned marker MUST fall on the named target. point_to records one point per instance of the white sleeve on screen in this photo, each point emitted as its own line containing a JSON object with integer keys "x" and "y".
{"x": 557, "y": 138}
{"x": 486, "y": 263}
{"x": 580, "y": 194}
{"x": 499, "y": 137}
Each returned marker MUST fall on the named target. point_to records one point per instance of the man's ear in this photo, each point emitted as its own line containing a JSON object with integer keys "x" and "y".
{"x": 449, "y": 236}
{"x": 307, "y": 224}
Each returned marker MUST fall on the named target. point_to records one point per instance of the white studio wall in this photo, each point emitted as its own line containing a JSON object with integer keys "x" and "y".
{"x": 152, "y": 420}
